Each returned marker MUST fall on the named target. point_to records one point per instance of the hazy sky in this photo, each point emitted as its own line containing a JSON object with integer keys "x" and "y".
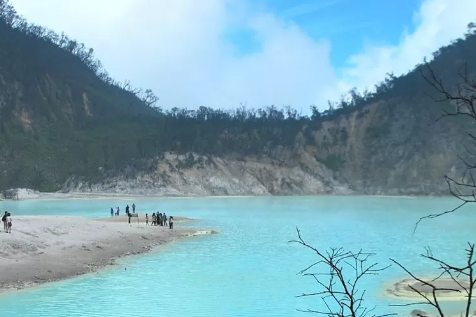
{"x": 220, "y": 53}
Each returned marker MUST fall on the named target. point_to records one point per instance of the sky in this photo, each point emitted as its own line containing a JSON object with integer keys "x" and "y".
{"x": 227, "y": 53}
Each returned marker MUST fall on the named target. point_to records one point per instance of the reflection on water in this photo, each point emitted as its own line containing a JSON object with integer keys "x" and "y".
{"x": 249, "y": 269}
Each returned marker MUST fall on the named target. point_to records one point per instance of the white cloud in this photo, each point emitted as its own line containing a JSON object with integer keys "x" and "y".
{"x": 180, "y": 50}
{"x": 437, "y": 23}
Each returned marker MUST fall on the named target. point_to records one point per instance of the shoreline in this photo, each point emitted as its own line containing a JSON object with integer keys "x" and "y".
{"x": 47, "y": 249}
{"x": 31, "y": 195}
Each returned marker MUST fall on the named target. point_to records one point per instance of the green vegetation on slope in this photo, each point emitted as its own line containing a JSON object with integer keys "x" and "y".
{"x": 62, "y": 114}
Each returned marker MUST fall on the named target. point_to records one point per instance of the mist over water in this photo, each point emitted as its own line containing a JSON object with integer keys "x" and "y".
{"x": 249, "y": 269}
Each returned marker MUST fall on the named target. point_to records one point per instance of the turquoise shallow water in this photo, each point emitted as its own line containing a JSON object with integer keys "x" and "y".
{"x": 249, "y": 269}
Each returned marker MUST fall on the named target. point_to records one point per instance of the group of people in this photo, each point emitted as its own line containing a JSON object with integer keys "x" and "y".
{"x": 159, "y": 219}
{"x": 116, "y": 213}
{"x": 7, "y": 222}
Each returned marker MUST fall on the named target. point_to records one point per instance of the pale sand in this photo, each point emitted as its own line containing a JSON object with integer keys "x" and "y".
{"x": 108, "y": 196}
{"x": 402, "y": 290}
{"x": 26, "y": 194}
{"x": 44, "y": 249}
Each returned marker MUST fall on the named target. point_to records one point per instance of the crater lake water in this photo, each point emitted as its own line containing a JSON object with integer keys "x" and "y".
{"x": 249, "y": 268}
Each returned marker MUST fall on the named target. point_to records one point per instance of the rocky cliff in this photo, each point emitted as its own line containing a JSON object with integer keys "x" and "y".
{"x": 197, "y": 175}
{"x": 391, "y": 148}
{"x": 410, "y": 158}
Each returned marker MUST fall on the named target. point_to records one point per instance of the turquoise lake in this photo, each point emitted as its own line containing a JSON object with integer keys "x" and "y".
{"x": 250, "y": 268}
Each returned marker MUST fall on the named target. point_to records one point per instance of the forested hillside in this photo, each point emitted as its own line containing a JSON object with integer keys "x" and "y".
{"x": 63, "y": 115}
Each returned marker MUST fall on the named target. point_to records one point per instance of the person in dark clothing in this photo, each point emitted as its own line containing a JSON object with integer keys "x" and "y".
{"x": 127, "y": 210}
{"x": 134, "y": 208}
{"x": 4, "y": 221}
{"x": 171, "y": 222}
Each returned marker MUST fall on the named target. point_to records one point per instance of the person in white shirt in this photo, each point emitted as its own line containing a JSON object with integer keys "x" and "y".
{"x": 9, "y": 223}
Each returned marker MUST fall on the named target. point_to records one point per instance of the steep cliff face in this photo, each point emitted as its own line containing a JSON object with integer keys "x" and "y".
{"x": 395, "y": 148}
{"x": 358, "y": 154}
{"x": 196, "y": 175}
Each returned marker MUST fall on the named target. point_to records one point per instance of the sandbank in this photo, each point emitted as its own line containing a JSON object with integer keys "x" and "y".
{"x": 44, "y": 249}
{"x": 402, "y": 289}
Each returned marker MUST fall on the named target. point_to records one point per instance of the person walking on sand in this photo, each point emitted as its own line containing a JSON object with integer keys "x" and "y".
{"x": 146, "y": 219}
{"x": 127, "y": 210}
{"x": 171, "y": 222}
{"x": 133, "y": 208}
{"x": 112, "y": 212}
{"x": 9, "y": 223}
{"x": 117, "y": 211}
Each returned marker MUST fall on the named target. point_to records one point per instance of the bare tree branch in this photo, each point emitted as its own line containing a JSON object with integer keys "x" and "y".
{"x": 462, "y": 97}
{"x": 437, "y": 215}
{"x": 446, "y": 282}
{"x": 339, "y": 288}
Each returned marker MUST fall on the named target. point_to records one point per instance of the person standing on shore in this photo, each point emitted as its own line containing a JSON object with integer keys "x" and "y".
{"x": 165, "y": 219}
{"x": 9, "y": 223}
{"x": 128, "y": 213}
{"x": 171, "y": 222}
{"x": 112, "y": 212}
{"x": 133, "y": 208}
{"x": 146, "y": 219}
{"x": 117, "y": 211}
{"x": 4, "y": 221}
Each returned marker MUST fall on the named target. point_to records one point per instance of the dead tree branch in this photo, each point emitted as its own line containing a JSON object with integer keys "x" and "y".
{"x": 462, "y": 98}
{"x": 336, "y": 287}
{"x": 449, "y": 280}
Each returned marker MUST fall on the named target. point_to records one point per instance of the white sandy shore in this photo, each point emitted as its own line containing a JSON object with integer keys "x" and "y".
{"x": 28, "y": 194}
{"x": 44, "y": 249}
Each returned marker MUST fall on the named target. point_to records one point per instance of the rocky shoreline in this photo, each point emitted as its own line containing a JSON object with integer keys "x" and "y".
{"x": 30, "y": 194}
